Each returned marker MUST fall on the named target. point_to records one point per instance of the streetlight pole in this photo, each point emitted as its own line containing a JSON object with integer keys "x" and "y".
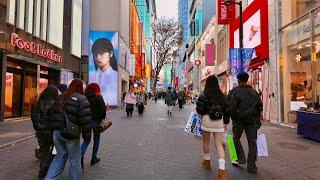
{"x": 228, "y": 3}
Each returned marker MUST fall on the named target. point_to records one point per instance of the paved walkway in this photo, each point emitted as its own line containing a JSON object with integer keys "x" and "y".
{"x": 155, "y": 146}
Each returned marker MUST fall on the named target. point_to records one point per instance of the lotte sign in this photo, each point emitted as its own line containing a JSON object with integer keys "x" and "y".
{"x": 35, "y": 48}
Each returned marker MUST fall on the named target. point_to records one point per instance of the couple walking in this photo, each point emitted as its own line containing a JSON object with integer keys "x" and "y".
{"x": 244, "y": 107}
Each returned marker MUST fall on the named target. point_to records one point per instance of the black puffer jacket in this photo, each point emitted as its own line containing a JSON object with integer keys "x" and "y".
{"x": 245, "y": 104}
{"x": 97, "y": 105}
{"x": 40, "y": 109}
{"x": 78, "y": 110}
{"x": 205, "y": 103}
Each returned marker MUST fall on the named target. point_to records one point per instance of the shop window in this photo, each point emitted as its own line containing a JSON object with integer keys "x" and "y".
{"x": 304, "y": 6}
{"x": 12, "y": 106}
{"x": 296, "y": 66}
{"x": 300, "y": 64}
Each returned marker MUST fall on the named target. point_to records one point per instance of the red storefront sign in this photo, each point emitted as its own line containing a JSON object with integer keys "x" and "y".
{"x": 35, "y": 48}
{"x": 225, "y": 13}
{"x": 176, "y": 81}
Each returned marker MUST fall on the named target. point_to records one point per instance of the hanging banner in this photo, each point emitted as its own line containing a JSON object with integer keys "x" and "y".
{"x": 235, "y": 63}
{"x": 210, "y": 54}
{"x": 225, "y": 13}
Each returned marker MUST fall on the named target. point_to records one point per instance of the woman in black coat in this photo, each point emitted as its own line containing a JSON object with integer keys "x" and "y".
{"x": 73, "y": 106}
{"x": 98, "y": 113}
{"x": 40, "y": 125}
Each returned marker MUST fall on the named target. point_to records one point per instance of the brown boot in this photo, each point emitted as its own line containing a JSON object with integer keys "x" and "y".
{"x": 222, "y": 174}
{"x": 206, "y": 164}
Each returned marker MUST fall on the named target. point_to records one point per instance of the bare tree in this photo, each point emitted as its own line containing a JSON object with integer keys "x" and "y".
{"x": 167, "y": 35}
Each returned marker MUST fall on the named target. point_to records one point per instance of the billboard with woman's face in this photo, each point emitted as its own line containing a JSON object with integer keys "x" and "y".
{"x": 103, "y": 64}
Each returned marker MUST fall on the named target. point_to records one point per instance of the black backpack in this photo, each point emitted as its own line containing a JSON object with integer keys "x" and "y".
{"x": 215, "y": 112}
{"x": 70, "y": 130}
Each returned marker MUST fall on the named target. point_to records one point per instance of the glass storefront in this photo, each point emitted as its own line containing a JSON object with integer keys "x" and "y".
{"x": 300, "y": 61}
{"x": 22, "y": 86}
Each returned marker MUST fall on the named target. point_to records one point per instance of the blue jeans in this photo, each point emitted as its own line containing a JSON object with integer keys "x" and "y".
{"x": 96, "y": 141}
{"x": 66, "y": 149}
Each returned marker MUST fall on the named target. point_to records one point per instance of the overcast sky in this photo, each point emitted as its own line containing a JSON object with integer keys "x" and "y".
{"x": 168, "y": 8}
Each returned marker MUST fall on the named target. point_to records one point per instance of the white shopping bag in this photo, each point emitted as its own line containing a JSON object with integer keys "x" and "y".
{"x": 262, "y": 145}
{"x": 54, "y": 151}
{"x": 193, "y": 125}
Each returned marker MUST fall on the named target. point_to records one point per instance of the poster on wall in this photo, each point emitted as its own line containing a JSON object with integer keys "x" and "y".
{"x": 251, "y": 32}
{"x": 103, "y": 64}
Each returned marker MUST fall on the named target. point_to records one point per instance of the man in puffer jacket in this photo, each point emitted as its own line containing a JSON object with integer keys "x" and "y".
{"x": 77, "y": 108}
{"x": 43, "y": 133}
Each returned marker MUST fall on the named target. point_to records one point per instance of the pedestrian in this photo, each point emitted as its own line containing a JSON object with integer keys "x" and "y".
{"x": 169, "y": 98}
{"x": 245, "y": 109}
{"x": 181, "y": 99}
{"x": 98, "y": 113}
{"x": 155, "y": 97}
{"x": 130, "y": 101}
{"x": 140, "y": 102}
{"x": 212, "y": 106}
{"x": 43, "y": 133}
{"x": 175, "y": 97}
{"x": 74, "y": 107}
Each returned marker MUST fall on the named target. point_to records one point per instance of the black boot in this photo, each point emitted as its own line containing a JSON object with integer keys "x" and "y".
{"x": 94, "y": 161}
{"x": 82, "y": 164}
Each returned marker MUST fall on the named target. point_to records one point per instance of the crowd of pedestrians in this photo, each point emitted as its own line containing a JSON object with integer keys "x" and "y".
{"x": 61, "y": 116}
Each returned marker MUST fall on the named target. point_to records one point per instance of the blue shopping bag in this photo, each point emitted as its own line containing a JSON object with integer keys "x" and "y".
{"x": 193, "y": 125}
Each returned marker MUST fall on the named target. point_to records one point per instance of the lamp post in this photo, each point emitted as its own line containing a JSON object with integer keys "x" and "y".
{"x": 229, "y": 3}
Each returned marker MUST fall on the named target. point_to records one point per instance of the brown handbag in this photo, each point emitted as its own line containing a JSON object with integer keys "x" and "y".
{"x": 104, "y": 125}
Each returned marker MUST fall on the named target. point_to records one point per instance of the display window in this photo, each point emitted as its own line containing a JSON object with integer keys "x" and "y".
{"x": 300, "y": 64}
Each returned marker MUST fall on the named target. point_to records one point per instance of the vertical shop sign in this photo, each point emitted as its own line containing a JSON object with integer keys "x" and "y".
{"x": 225, "y": 13}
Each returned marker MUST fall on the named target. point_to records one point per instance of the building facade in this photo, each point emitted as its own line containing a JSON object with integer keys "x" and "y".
{"x": 40, "y": 44}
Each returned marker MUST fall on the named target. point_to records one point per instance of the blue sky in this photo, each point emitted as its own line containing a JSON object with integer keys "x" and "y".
{"x": 168, "y": 8}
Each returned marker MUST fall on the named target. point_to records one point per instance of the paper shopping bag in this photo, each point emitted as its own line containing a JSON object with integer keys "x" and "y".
{"x": 262, "y": 145}
{"x": 232, "y": 149}
{"x": 193, "y": 125}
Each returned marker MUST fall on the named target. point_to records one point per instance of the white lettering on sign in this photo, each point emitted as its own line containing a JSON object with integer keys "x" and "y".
{"x": 35, "y": 48}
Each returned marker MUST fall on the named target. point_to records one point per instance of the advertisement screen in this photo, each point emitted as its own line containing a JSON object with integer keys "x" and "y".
{"x": 251, "y": 32}
{"x": 103, "y": 64}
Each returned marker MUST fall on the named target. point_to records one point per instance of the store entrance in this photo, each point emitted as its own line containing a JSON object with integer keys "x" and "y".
{"x": 13, "y": 93}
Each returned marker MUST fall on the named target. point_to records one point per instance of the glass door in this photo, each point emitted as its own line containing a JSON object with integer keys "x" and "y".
{"x": 13, "y": 94}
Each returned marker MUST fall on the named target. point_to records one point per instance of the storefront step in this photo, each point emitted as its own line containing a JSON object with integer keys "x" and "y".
{"x": 18, "y": 119}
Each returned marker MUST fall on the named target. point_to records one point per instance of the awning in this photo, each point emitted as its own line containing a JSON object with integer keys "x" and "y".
{"x": 256, "y": 63}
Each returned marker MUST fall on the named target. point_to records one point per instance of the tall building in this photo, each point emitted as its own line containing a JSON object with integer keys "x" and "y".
{"x": 183, "y": 14}
{"x": 40, "y": 44}
{"x": 113, "y": 37}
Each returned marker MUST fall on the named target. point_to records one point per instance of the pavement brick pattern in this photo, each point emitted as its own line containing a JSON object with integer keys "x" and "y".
{"x": 155, "y": 146}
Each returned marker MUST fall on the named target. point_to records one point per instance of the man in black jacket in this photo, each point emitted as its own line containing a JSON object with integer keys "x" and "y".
{"x": 245, "y": 108}
{"x": 43, "y": 133}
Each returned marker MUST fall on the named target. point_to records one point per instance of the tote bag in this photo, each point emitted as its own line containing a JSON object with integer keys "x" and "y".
{"x": 262, "y": 145}
{"x": 193, "y": 125}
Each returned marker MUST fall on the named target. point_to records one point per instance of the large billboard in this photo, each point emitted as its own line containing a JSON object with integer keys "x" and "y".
{"x": 103, "y": 64}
